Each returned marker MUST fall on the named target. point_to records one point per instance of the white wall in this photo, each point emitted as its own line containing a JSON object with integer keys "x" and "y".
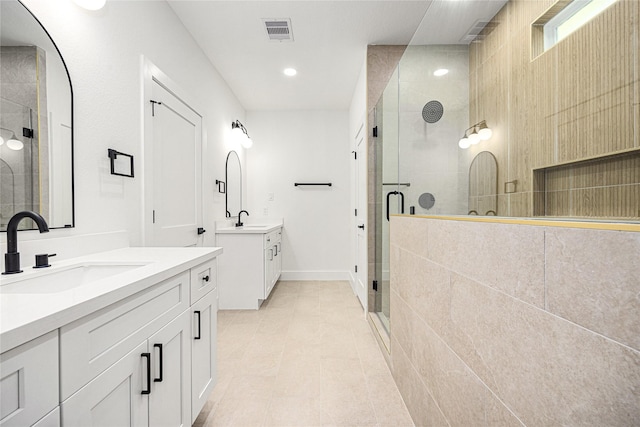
{"x": 103, "y": 51}
{"x": 303, "y": 146}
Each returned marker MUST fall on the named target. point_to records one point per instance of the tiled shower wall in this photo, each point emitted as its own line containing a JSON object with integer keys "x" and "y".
{"x": 515, "y": 324}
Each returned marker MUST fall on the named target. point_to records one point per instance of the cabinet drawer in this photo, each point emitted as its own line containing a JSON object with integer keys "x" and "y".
{"x": 272, "y": 238}
{"x": 204, "y": 278}
{"x": 29, "y": 381}
{"x": 90, "y": 345}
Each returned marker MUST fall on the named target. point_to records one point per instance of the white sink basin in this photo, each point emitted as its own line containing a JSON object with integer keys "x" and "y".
{"x": 65, "y": 278}
{"x": 255, "y": 226}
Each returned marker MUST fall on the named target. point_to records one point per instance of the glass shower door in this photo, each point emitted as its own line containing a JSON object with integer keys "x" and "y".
{"x": 389, "y": 196}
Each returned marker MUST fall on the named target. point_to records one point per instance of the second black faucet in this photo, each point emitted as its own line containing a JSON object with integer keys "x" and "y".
{"x": 239, "y": 223}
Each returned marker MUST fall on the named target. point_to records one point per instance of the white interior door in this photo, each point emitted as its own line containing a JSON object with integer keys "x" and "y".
{"x": 361, "y": 217}
{"x": 176, "y": 171}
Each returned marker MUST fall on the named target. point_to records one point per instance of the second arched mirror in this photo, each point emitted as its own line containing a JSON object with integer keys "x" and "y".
{"x": 233, "y": 177}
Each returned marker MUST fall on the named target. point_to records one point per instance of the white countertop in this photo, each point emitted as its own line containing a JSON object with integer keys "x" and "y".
{"x": 261, "y": 228}
{"x": 25, "y": 316}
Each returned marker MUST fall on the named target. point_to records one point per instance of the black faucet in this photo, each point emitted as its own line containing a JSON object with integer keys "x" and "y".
{"x": 12, "y": 257}
{"x": 239, "y": 223}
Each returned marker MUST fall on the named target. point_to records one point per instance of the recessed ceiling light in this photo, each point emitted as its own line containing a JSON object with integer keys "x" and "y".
{"x": 91, "y": 4}
{"x": 440, "y": 72}
{"x": 290, "y": 72}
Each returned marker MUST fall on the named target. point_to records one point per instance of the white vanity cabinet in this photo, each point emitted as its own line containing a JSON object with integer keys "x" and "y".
{"x": 156, "y": 374}
{"x": 136, "y": 350}
{"x": 29, "y": 383}
{"x": 250, "y": 266}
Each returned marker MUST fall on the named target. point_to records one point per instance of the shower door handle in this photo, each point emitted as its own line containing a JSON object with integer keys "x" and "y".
{"x": 401, "y": 201}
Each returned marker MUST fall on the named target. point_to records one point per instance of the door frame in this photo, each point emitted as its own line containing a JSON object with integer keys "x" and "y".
{"x": 151, "y": 73}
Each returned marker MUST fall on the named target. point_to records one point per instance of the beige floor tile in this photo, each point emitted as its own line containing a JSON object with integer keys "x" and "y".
{"x": 306, "y": 358}
{"x": 293, "y": 412}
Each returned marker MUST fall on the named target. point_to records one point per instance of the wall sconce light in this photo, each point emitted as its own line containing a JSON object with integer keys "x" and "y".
{"x": 240, "y": 134}
{"x": 13, "y": 143}
{"x": 479, "y": 132}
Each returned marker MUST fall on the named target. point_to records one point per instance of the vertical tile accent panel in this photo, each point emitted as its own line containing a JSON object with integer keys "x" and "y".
{"x": 593, "y": 279}
{"x": 506, "y": 257}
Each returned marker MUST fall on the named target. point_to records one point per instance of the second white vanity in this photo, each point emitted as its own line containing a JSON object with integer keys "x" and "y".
{"x": 250, "y": 266}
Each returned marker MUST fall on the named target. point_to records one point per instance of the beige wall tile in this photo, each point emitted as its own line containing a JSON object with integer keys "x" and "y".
{"x": 423, "y": 409}
{"x": 593, "y": 279}
{"x": 425, "y": 287}
{"x": 460, "y": 394}
{"x": 412, "y": 235}
{"x": 545, "y": 369}
{"x": 507, "y": 257}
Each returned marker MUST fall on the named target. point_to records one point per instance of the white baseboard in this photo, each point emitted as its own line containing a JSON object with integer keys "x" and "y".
{"x": 315, "y": 275}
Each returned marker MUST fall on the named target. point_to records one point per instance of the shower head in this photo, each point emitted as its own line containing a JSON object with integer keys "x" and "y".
{"x": 432, "y": 111}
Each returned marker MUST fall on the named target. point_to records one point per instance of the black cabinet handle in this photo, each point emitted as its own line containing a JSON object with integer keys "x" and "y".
{"x": 361, "y": 226}
{"x": 159, "y": 379}
{"x": 276, "y": 248}
{"x": 197, "y": 312}
{"x": 148, "y": 357}
{"x": 205, "y": 278}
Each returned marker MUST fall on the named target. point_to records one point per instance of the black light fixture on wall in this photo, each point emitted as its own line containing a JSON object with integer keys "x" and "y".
{"x": 240, "y": 134}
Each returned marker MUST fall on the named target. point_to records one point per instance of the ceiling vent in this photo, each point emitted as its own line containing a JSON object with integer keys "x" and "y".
{"x": 479, "y": 31}
{"x": 279, "y": 30}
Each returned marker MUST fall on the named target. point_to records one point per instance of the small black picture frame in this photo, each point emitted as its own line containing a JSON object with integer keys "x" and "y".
{"x": 113, "y": 154}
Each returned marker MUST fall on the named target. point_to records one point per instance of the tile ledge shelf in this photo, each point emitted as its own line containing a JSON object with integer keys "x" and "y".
{"x": 594, "y": 224}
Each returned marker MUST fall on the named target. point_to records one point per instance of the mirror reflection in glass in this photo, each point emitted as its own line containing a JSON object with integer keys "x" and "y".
{"x": 36, "y": 122}
{"x": 483, "y": 185}
{"x": 233, "y": 176}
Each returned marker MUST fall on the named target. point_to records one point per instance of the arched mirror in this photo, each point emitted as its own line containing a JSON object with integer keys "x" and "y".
{"x": 36, "y": 122}
{"x": 483, "y": 185}
{"x": 233, "y": 176}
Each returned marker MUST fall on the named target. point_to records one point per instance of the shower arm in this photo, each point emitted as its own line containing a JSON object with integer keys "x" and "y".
{"x": 401, "y": 201}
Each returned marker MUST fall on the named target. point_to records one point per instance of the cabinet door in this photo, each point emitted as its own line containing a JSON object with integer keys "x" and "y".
{"x": 113, "y": 398}
{"x": 269, "y": 261}
{"x": 203, "y": 351}
{"x": 170, "y": 397}
{"x": 278, "y": 264}
{"x": 29, "y": 381}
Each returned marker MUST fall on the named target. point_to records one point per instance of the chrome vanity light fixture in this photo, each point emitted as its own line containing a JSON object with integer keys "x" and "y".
{"x": 240, "y": 134}
{"x": 479, "y": 132}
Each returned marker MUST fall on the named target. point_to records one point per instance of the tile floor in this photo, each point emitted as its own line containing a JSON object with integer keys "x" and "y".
{"x": 306, "y": 358}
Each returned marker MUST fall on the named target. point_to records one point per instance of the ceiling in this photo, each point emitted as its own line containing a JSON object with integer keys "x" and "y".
{"x": 329, "y": 47}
